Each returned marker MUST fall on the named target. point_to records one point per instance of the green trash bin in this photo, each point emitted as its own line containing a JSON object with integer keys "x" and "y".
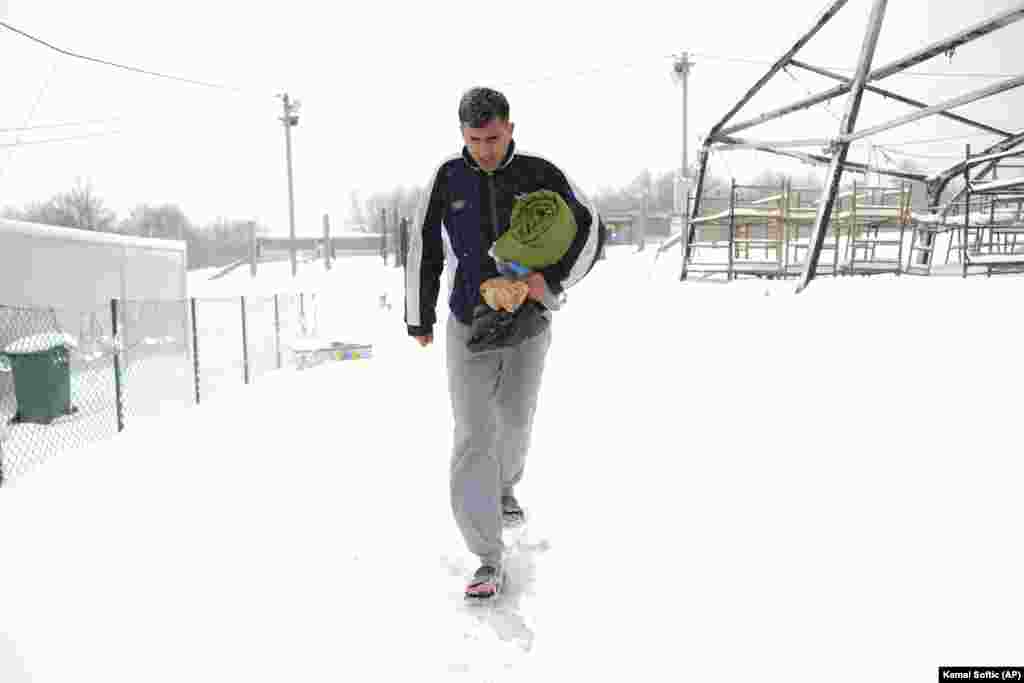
{"x": 42, "y": 377}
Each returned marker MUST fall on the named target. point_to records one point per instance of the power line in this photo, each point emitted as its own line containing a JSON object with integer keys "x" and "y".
{"x": 134, "y": 69}
{"x": 65, "y": 124}
{"x": 25, "y": 143}
{"x": 726, "y": 58}
{"x": 885, "y": 149}
{"x": 148, "y": 123}
{"x": 28, "y": 118}
{"x": 946, "y": 139}
{"x": 578, "y": 74}
{"x": 800, "y": 84}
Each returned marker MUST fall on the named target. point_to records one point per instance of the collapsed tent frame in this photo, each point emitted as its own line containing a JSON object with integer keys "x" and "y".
{"x": 722, "y": 134}
{"x": 762, "y": 231}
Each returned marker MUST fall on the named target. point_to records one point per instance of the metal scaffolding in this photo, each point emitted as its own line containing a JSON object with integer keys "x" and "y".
{"x": 763, "y": 231}
{"x": 722, "y": 135}
{"x": 983, "y": 225}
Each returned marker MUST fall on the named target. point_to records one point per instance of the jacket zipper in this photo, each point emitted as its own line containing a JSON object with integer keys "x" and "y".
{"x": 494, "y": 210}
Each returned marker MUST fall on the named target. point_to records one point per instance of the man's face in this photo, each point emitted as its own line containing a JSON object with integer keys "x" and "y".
{"x": 488, "y": 145}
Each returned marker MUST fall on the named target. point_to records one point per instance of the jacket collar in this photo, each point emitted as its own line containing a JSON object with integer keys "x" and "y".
{"x": 509, "y": 154}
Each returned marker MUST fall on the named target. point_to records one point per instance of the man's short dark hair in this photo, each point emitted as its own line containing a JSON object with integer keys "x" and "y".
{"x": 479, "y": 106}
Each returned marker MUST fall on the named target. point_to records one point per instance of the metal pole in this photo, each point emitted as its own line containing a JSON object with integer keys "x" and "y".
{"x": 682, "y": 67}
{"x": 851, "y": 243}
{"x": 684, "y": 237}
{"x": 384, "y": 235}
{"x": 786, "y": 227}
{"x": 245, "y": 345}
{"x": 327, "y": 242}
{"x": 732, "y": 225}
{"x": 835, "y": 174}
{"x": 702, "y": 171}
{"x": 404, "y": 235}
{"x": 252, "y": 249}
{"x": 118, "y": 394}
{"x": 949, "y": 245}
{"x": 290, "y": 119}
{"x": 904, "y": 214}
{"x": 967, "y": 213}
{"x": 694, "y": 210}
{"x": 195, "y": 349}
{"x": 641, "y": 234}
{"x": 397, "y": 238}
{"x": 750, "y": 143}
{"x": 277, "y": 331}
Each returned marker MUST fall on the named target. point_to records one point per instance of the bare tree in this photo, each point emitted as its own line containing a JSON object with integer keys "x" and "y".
{"x": 221, "y": 242}
{"x": 79, "y": 207}
{"x": 166, "y": 221}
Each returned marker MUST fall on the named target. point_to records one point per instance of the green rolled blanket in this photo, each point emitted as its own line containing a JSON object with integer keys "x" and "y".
{"x": 541, "y": 231}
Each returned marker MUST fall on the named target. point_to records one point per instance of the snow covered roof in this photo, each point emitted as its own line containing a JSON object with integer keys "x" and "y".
{"x": 91, "y": 236}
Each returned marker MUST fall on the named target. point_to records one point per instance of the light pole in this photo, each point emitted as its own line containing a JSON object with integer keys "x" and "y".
{"x": 289, "y": 119}
{"x": 681, "y": 73}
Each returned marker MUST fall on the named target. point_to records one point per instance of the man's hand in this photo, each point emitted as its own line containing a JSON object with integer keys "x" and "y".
{"x": 537, "y": 286}
{"x": 425, "y": 340}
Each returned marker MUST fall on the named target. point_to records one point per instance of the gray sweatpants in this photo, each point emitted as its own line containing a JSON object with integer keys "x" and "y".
{"x": 494, "y": 397}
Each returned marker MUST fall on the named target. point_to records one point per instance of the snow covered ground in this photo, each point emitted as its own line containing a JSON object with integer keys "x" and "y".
{"x": 726, "y": 482}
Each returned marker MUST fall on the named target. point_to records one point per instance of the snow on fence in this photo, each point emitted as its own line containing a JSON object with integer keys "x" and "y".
{"x": 64, "y": 385}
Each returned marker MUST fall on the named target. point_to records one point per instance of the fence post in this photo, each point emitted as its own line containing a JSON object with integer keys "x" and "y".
{"x": 396, "y": 237}
{"x": 118, "y": 402}
{"x": 327, "y": 242}
{"x": 403, "y": 241}
{"x": 384, "y": 235}
{"x": 195, "y": 349}
{"x": 277, "y": 332}
{"x": 732, "y": 225}
{"x": 314, "y": 325}
{"x": 245, "y": 345}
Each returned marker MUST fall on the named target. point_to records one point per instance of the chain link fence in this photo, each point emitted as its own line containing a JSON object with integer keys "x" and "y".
{"x": 71, "y": 377}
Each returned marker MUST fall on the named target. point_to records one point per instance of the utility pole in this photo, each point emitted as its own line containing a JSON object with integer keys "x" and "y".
{"x": 252, "y": 248}
{"x": 681, "y": 71}
{"x": 289, "y": 119}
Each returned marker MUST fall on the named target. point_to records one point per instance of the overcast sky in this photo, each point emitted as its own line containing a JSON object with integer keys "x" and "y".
{"x": 379, "y": 85}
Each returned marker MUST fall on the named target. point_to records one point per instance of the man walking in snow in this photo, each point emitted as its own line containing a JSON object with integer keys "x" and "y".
{"x": 467, "y": 207}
